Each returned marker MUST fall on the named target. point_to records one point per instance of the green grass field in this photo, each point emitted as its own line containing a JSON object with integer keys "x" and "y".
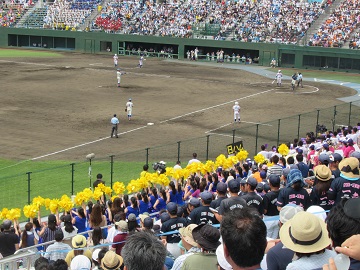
{"x": 11, "y": 53}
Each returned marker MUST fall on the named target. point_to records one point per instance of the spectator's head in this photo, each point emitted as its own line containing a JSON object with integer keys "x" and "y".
{"x": 221, "y": 188}
{"x": 206, "y": 236}
{"x": 59, "y": 264}
{"x": 288, "y": 212}
{"x": 146, "y": 167}
{"x": 335, "y": 159}
{"x": 80, "y": 262}
{"x": 299, "y": 157}
{"x": 193, "y": 203}
{"x": 246, "y": 227}
{"x": 194, "y": 155}
{"x": 234, "y": 186}
{"x": 305, "y": 234}
{"x": 95, "y": 256}
{"x": 41, "y": 264}
{"x": 290, "y": 160}
{"x": 274, "y": 181}
{"x": 251, "y": 184}
{"x": 122, "y": 226}
{"x": 111, "y": 261}
{"x": 349, "y": 168}
{"x": 143, "y": 251}
{"x": 324, "y": 159}
{"x": 59, "y": 235}
{"x": 171, "y": 207}
{"x": 78, "y": 241}
{"x": 295, "y": 179}
{"x": 343, "y": 220}
{"x": 206, "y": 197}
{"x": 187, "y": 237}
{"x": 99, "y": 175}
{"x": 6, "y": 224}
{"x": 148, "y": 223}
{"x": 164, "y": 217}
{"x": 322, "y": 173}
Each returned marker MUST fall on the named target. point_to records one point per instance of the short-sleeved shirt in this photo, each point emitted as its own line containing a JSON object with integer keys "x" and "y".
{"x": 179, "y": 198}
{"x": 173, "y": 224}
{"x": 231, "y": 204}
{"x": 173, "y": 196}
{"x": 131, "y": 210}
{"x": 344, "y": 188}
{"x": 80, "y": 224}
{"x": 8, "y": 240}
{"x": 120, "y": 237}
{"x": 270, "y": 200}
{"x": 202, "y": 215}
{"x": 114, "y": 121}
{"x": 200, "y": 261}
{"x": 254, "y": 200}
{"x": 321, "y": 199}
{"x": 289, "y": 195}
{"x": 161, "y": 205}
{"x": 216, "y": 203}
{"x": 143, "y": 207}
{"x": 278, "y": 257}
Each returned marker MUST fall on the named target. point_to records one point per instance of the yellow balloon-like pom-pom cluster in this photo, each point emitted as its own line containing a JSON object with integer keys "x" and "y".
{"x": 283, "y": 150}
{"x": 259, "y": 159}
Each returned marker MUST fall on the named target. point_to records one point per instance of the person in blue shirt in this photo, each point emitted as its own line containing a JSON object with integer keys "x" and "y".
{"x": 180, "y": 195}
{"x": 161, "y": 201}
{"x": 133, "y": 208}
{"x": 171, "y": 195}
{"x": 144, "y": 203}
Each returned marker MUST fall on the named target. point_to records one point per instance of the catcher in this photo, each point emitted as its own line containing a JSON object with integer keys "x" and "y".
{"x": 128, "y": 108}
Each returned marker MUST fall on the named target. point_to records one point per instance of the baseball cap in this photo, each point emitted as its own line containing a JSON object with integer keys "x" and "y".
{"x": 221, "y": 187}
{"x": 164, "y": 217}
{"x": 263, "y": 175}
{"x": 131, "y": 217}
{"x": 252, "y": 181}
{"x": 195, "y": 202}
{"x": 122, "y": 224}
{"x": 286, "y": 172}
{"x": 274, "y": 179}
{"x": 234, "y": 186}
{"x": 350, "y": 142}
{"x": 254, "y": 168}
{"x": 95, "y": 254}
{"x": 148, "y": 222}
{"x": 288, "y": 211}
{"x": 206, "y": 195}
{"x": 355, "y": 154}
{"x": 243, "y": 181}
{"x": 80, "y": 262}
{"x": 172, "y": 208}
{"x": 299, "y": 151}
{"x": 143, "y": 216}
{"x": 334, "y": 157}
{"x": 324, "y": 158}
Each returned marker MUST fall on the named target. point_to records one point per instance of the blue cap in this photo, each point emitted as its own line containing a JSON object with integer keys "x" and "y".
{"x": 252, "y": 181}
{"x": 171, "y": 207}
{"x": 206, "y": 195}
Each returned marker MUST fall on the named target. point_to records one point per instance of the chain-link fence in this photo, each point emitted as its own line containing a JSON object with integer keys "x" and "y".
{"x": 70, "y": 178}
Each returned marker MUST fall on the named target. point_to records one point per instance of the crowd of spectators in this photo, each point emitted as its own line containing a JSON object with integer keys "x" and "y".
{"x": 66, "y": 15}
{"x": 269, "y": 209}
{"x": 10, "y": 13}
{"x": 338, "y": 28}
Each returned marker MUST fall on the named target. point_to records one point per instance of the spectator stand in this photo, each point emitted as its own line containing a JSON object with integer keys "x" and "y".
{"x": 11, "y": 13}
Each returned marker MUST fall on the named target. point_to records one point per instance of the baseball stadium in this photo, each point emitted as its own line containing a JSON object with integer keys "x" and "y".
{"x": 291, "y": 66}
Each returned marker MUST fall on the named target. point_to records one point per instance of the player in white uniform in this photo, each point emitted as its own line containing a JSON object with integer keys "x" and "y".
{"x": 141, "y": 61}
{"x": 129, "y": 105}
{"x": 118, "y": 76}
{"x": 236, "y": 109}
{"x": 115, "y": 60}
{"x": 278, "y": 78}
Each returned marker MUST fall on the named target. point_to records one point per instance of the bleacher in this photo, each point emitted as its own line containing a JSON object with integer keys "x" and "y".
{"x": 10, "y": 14}
{"x": 35, "y": 18}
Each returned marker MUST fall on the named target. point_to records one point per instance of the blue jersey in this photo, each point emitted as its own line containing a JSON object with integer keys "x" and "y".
{"x": 80, "y": 224}
{"x": 179, "y": 198}
{"x": 143, "y": 207}
{"x": 161, "y": 204}
{"x": 131, "y": 210}
{"x": 172, "y": 196}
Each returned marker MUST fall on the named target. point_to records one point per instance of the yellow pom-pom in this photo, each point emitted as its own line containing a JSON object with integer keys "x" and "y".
{"x": 259, "y": 159}
{"x": 13, "y": 214}
{"x": 3, "y": 213}
{"x": 119, "y": 188}
{"x": 47, "y": 203}
{"x": 66, "y": 203}
{"x": 30, "y": 211}
{"x": 283, "y": 149}
{"x": 242, "y": 155}
{"x": 97, "y": 194}
{"x": 54, "y": 205}
{"x": 38, "y": 202}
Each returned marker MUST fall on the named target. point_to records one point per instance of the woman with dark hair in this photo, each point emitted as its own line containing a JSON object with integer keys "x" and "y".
{"x": 97, "y": 218}
{"x": 126, "y": 202}
{"x": 48, "y": 231}
{"x": 89, "y": 209}
{"x": 153, "y": 197}
{"x": 161, "y": 201}
{"x": 37, "y": 229}
{"x": 68, "y": 230}
{"x": 246, "y": 170}
{"x": 133, "y": 208}
{"x": 319, "y": 193}
{"x": 144, "y": 203}
{"x": 79, "y": 220}
{"x": 214, "y": 182}
{"x": 116, "y": 207}
{"x": 192, "y": 192}
{"x": 179, "y": 195}
{"x": 171, "y": 194}
{"x": 95, "y": 238}
{"x": 28, "y": 238}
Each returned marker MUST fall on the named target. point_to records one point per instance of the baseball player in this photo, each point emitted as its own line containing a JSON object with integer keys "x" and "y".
{"x": 115, "y": 60}
{"x": 236, "y": 109}
{"x": 141, "y": 61}
{"x": 118, "y": 76}
{"x": 278, "y": 77}
{"x": 128, "y": 108}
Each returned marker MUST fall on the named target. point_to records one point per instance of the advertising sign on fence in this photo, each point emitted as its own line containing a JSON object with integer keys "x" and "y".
{"x": 234, "y": 148}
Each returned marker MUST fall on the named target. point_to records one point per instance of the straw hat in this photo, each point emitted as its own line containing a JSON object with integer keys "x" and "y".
{"x": 322, "y": 173}
{"x": 78, "y": 241}
{"x": 305, "y": 233}
{"x": 111, "y": 261}
{"x": 349, "y": 167}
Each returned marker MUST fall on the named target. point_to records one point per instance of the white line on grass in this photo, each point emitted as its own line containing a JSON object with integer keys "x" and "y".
{"x": 218, "y": 128}
{"x": 83, "y": 144}
{"x": 225, "y": 135}
{"x": 214, "y": 106}
{"x": 27, "y": 63}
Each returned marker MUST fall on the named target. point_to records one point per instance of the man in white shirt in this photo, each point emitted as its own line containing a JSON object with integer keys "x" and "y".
{"x": 236, "y": 109}
{"x": 57, "y": 250}
{"x": 194, "y": 159}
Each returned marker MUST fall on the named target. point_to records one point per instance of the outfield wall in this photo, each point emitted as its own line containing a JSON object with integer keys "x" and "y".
{"x": 100, "y": 42}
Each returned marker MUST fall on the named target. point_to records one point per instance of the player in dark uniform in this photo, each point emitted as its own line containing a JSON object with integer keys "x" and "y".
{"x": 202, "y": 214}
{"x": 252, "y": 198}
{"x": 270, "y": 208}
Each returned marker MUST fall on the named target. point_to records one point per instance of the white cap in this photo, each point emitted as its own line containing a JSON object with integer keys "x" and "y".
{"x": 279, "y": 70}
{"x": 236, "y": 103}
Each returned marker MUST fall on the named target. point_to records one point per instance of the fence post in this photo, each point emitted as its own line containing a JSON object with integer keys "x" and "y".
{"x": 72, "y": 178}
{"x": 333, "y": 123}
{"x": 207, "y": 146}
{"x": 28, "y": 180}
{"x": 147, "y": 155}
{"x": 298, "y": 132}
{"x": 178, "y": 153}
{"x": 111, "y": 169}
{"x": 233, "y": 135}
{"x": 278, "y": 137}
{"x": 317, "y": 120}
{"x": 349, "y": 122}
{"x": 256, "y": 138}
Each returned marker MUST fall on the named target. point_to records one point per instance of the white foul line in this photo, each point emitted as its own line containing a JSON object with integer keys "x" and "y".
{"x": 83, "y": 144}
{"x": 214, "y": 106}
{"x": 209, "y": 131}
{"x": 225, "y": 135}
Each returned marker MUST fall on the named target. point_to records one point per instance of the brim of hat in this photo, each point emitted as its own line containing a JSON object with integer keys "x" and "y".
{"x": 323, "y": 242}
{"x": 201, "y": 241}
{"x": 221, "y": 258}
{"x": 108, "y": 267}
